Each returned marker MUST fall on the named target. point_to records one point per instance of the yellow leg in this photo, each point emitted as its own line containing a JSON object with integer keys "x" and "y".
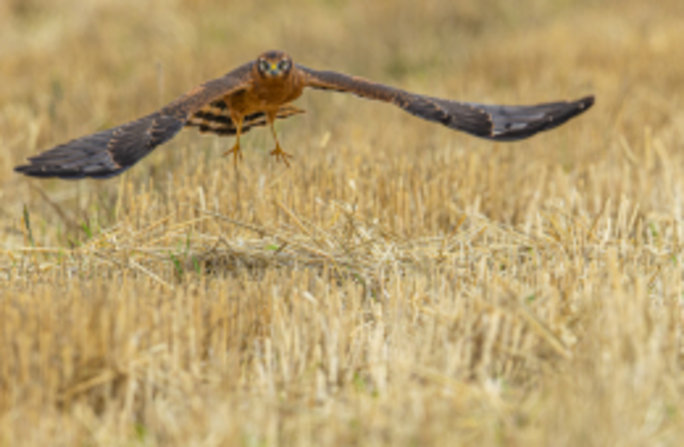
{"x": 278, "y": 152}
{"x": 235, "y": 150}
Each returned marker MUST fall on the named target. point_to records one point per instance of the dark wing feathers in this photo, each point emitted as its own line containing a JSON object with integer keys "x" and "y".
{"x": 104, "y": 154}
{"x": 510, "y": 123}
{"x": 112, "y": 151}
{"x": 502, "y": 123}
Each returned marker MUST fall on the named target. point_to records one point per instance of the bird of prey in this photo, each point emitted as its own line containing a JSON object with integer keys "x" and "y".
{"x": 258, "y": 93}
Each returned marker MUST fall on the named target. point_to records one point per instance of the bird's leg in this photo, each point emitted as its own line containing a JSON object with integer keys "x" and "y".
{"x": 278, "y": 152}
{"x": 235, "y": 150}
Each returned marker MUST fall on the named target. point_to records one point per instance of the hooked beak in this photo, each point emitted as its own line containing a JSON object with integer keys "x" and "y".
{"x": 273, "y": 70}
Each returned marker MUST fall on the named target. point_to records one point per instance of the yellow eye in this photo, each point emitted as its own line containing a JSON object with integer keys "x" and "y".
{"x": 263, "y": 66}
{"x": 284, "y": 65}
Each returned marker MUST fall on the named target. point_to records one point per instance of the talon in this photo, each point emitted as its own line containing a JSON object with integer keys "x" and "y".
{"x": 237, "y": 153}
{"x": 281, "y": 155}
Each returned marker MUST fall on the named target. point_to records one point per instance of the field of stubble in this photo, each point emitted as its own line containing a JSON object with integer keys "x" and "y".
{"x": 401, "y": 284}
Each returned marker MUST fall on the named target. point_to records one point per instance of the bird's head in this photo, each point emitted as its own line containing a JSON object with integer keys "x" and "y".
{"x": 274, "y": 64}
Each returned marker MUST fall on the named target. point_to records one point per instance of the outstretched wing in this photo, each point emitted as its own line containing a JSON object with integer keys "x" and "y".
{"x": 495, "y": 122}
{"x": 112, "y": 151}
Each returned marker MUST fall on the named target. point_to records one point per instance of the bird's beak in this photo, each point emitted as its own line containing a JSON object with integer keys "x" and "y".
{"x": 273, "y": 69}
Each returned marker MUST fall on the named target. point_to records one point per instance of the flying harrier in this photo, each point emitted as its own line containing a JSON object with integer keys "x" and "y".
{"x": 259, "y": 92}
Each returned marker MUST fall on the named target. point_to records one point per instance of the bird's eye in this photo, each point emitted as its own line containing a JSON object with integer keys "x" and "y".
{"x": 263, "y": 65}
{"x": 284, "y": 65}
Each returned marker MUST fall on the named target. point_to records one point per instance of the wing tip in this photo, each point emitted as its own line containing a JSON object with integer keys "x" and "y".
{"x": 37, "y": 172}
{"x": 586, "y": 102}
{"x": 42, "y": 171}
{"x": 31, "y": 170}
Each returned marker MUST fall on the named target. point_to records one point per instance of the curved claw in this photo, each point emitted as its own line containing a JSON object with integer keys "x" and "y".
{"x": 235, "y": 150}
{"x": 281, "y": 155}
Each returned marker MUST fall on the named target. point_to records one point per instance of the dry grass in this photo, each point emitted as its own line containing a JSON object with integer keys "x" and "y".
{"x": 401, "y": 285}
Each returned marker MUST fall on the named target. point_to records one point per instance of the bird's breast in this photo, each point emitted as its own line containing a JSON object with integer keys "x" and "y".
{"x": 277, "y": 92}
{"x": 263, "y": 96}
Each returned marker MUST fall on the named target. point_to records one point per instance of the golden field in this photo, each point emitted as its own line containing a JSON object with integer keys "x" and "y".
{"x": 401, "y": 284}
